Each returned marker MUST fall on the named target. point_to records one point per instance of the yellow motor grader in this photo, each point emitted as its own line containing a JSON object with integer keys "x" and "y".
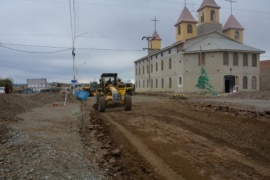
{"x": 112, "y": 93}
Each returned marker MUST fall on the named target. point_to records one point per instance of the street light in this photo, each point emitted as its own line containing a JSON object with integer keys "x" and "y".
{"x": 77, "y": 68}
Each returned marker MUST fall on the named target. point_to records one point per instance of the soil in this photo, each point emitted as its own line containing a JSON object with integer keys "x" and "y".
{"x": 162, "y": 137}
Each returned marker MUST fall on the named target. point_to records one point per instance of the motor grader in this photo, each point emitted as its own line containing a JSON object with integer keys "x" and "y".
{"x": 112, "y": 93}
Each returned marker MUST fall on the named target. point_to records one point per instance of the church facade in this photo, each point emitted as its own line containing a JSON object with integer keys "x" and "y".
{"x": 202, "y": 45}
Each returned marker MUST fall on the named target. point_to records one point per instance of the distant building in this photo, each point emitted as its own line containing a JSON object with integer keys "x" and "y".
{"x": 201, "y": 44}
{"x": 265, "y": 75}
{"x": 37, "y": 84}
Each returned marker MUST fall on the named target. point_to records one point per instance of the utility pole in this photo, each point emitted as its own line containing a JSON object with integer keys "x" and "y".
{"x": 149, "y": 39}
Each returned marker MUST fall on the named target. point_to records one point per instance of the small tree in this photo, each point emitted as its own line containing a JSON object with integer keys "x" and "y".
{"x": 8, "y": 81}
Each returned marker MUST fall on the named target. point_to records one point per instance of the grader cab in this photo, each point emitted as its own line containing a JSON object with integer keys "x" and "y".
{"x": 112, "y": 93}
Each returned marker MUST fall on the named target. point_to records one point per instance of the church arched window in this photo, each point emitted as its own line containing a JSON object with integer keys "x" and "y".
{"x": 237, "y": 35}
{"x": 189, "y": 28}
{"x": 213, "y": 15}
{"x": 179, "y": 30}
{"x": 202, "y": 17}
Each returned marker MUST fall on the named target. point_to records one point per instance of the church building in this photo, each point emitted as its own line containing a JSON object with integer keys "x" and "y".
{"x": 204, "y": 50}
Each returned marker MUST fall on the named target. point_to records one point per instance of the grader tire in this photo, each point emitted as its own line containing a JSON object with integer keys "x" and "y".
{"x": 127, "y": 103}
{"x": 97, "y": 97}
{"x": 101, "y": 104}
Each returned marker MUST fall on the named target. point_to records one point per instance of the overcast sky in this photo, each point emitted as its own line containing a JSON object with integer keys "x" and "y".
{"x": 32, "y": 31}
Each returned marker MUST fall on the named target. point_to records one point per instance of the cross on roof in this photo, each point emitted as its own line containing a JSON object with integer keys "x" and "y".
{"x": 155, "y": 20}
{"x": 231, "y": 1}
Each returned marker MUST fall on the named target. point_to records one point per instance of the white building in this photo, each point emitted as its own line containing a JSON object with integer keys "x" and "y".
{"x": 202, "y": 44}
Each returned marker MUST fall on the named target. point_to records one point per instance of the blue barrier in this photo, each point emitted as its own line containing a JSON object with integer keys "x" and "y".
{"x": 83, "y": 95}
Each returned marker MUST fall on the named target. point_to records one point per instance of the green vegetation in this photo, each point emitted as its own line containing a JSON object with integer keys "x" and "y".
{"x": 4, "y": 81}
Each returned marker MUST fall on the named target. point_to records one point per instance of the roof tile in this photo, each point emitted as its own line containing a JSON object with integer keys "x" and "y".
{"x": 232, "y": 23}
{"x": 208, "y": 3}
{"x": 186, "y": 16}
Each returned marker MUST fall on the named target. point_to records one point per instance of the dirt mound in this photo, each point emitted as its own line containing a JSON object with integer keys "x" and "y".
{"x": 251, "y": 95}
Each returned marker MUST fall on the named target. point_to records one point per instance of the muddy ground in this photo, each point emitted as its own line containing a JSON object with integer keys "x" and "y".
{"x": 162, "y": 137}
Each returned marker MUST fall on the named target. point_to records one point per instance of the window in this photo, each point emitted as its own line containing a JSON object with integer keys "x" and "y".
{"x": 180, "y": 80}
{"x": 143, "y": 69}
{"x": 189, "y": 28}
{"x": 156, "y": 66}
{"x": 147, "y": 83}
{"x": 254, "y": 60}
{"x": 170, "y": 63}
{"x": 245, "y": 82}
{"x": 151, "y": 83}
{"x": 147, "y": 69}
{"x": 237, "y": 35}
{"x": 170, "y": 83}
{"x": 202, "y": 17}
{"x": 235, "y": 59}
{"x": 156, "y": 56}
{"x": 143, "y": 83}
{"x": 162, "y": 83}
{"x": 254, "y": 82}
{"x": 151, "y": 67}
{"x": 139, "y": 71}
{"x": 213, "y": 15}
{"x": 179, "y": 29}
{"x": 139, "y": 84}
{"x": 156, "y": 83}
{"x": 162, "y": 65}
{"x": 245, "y": 59}
{"x": 161, "y": 54}
{"x": 201, "y": 61}
{"x": 136, "y": 71}
{"x": 169, "y": 51}
{"x": 225, "y": 58}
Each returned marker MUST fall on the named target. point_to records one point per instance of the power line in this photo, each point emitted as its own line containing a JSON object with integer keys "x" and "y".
{"x": 11, "y": 44}
{"x": 34, "y": 51}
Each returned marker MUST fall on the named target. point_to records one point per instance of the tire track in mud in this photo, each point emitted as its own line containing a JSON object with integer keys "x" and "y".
{"x": 161, "y": 167}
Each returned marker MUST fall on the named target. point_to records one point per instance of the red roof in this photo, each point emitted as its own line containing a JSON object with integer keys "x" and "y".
{"x": 265, "y": 66}
{"x": 208, "y": 3}
{"x": 155, "y": 34}
{"x": 186, "y": 16}
{"x": 232, "y": 23}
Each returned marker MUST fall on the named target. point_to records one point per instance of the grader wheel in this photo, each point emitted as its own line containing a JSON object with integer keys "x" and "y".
{"x": 101, "y": 104}
{"x": 127, "y": 103}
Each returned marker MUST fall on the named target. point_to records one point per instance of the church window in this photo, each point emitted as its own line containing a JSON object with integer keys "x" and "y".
{"x": 189, "y": 28}
{"x": 245, "y": 59}
{"x": 254, "y": 82}
{"x": 151, "y": 83}
{"x": 225, "y": 58}
{"x": 235, "y": 59}
{"x": 139, "y": 71}
{"x": 139, "y": 84}
{"x": 245, "y": 82}
{"x": 254, "y": 60}
{"x": 180, "y": 80}
{"x": 213, "y": 15}
{"x": 136, "y": 71}
{"x": 237, "y": 35}
{"x": 202, "y": 17}
{"x": 162, "y": 83}
{"x": 170, "y": 83}
{"x": 170, "y": 63}
{"x": 156, "y": 83}
{"x": 156, "y": 66}
{"x": 179, "y": 30}
{"x": 162, "y": 65}
{"x": 169, "y": 51}
{"x": 151, "y": 67}
{"x": 201, "y": 60}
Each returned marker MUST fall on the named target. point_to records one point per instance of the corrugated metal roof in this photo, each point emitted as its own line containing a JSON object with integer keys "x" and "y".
{"x": 218, "y": 42}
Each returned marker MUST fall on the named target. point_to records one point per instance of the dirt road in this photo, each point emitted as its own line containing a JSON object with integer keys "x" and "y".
{"x": 164, "y": 138}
